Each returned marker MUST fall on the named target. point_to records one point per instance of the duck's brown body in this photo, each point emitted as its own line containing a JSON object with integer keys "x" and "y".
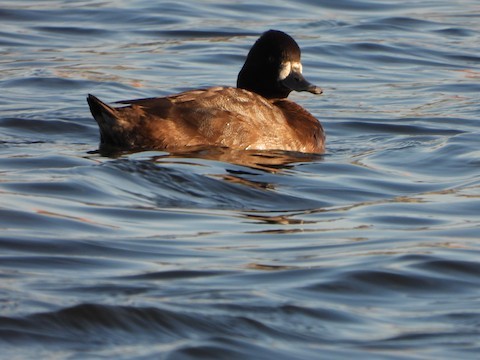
{"x": 220, "y": 116}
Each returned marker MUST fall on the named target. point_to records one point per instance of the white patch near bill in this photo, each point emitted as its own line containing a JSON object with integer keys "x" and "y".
{"x": 287, "y": 67}
{"x": 297, "y": 67}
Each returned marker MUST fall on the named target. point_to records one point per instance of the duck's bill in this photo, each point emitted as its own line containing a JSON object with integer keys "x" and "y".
{"x": 296, "y": 82}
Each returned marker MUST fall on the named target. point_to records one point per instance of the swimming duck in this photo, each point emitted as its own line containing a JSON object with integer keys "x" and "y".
{"x": 255, "y": 115}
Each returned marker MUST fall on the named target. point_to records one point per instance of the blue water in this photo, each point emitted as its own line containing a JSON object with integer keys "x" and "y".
{"x": 371, "y": 250}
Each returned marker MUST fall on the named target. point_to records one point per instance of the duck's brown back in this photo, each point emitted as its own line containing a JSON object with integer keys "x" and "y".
{"x": 220, "y": 116}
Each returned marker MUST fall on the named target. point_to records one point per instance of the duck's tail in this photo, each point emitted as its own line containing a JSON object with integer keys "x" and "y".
{"x": 108, "y": 120}
{"x": 98, "y": 107}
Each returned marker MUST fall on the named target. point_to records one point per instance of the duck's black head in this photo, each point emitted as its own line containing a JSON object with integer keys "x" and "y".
{"x": 273, "y": 68}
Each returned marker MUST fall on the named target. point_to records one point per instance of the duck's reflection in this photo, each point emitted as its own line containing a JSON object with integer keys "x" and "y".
{"x": 238, "y": 180}
{"x": 271, "y": 161}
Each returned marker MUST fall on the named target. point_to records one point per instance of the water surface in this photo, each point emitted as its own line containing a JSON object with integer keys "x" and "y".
{"x": 370, "y": 250}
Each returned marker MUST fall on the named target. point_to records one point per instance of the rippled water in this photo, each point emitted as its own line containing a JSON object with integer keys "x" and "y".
{"x": 371, "y": 250}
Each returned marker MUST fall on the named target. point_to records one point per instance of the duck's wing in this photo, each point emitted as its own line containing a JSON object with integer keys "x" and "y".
{"x": 217, "y": 116}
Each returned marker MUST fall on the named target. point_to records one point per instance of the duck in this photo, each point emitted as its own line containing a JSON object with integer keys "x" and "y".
{"x": 254, "y": 115}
